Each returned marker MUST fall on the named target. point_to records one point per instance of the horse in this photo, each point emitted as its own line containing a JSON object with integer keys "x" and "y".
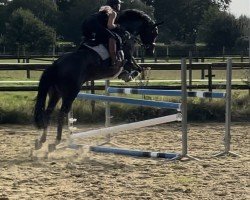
{"x": 64, "y": 78}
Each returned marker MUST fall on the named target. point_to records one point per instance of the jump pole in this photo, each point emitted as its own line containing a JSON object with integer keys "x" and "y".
{"x": 227, "y": 138}
{"x": 107, "y": 105}
{"x": 136, "y": 153}
{"x": 138, "y": 102}
{"x": 176, "y": 93}
{"x": 184, "y": 107}
{"x": 126, "y": 127}
{"x": 184, "y": 96}
{"x": 107, "y": 112}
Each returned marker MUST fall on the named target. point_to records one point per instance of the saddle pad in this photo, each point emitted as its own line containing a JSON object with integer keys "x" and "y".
{"x": 101, "y": 50}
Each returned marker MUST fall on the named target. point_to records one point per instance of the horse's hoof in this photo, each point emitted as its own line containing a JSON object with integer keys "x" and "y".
{"x": 46, "y": 155}
{"x": 125, "y": 76}
{"x": 122, "y": 74}
{"x": 43, "y": 139}
{"x": 31, "y": 153}
{"x": 58, "y": 142}
{"x": 38, "y": 144}
{"x": 52, "y": 147}
{"x": 128, "y": 78}
{"x": 134, "y": 74}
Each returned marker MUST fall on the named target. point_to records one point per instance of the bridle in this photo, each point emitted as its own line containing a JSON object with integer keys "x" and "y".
{"x": 137, "y": 40}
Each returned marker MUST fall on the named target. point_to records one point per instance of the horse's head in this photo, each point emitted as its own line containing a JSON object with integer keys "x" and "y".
{"x": 139, "y": 23}
{"x": 148, "y": 35}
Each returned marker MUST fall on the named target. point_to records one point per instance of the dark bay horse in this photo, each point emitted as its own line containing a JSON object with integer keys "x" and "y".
{"x": 64, "y": 78}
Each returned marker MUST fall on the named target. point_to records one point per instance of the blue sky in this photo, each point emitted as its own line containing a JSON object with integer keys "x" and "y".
{"x": 240, "y": 7}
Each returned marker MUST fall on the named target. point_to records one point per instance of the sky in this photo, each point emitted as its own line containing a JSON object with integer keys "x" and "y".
{"x": 240, "y": 7}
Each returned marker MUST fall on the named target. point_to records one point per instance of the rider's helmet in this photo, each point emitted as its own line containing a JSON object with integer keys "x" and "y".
{"x": 115, "y": 4}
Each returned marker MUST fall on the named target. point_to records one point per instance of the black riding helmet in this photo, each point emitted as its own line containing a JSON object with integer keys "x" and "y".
{"x": 113, "y": 2}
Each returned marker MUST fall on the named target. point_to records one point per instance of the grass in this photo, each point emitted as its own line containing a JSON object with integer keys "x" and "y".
{"x": 17, "y": 108}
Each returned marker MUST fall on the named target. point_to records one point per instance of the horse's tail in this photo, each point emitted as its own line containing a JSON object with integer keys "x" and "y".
{"x": 45, "y": 83}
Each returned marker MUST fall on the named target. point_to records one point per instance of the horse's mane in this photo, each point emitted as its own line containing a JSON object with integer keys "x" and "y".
{"x": 134, "y": 14}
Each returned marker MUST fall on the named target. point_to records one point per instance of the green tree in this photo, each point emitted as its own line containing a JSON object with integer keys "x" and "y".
{"x": 242, "y": 43}
{"x": 63, "y": 5}
{"x": 219, "y": 29}
{"x": 138, "y": 4}
{"x": 71, "y": 18}
{"x": 45, "y": 10}
{"x": 25, "y": 29}
{"x": 182, "y": 18}
{"x": 2, "y": 26}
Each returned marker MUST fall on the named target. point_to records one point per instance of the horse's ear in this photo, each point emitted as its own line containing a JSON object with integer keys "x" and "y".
{"x": 159, "y": 23}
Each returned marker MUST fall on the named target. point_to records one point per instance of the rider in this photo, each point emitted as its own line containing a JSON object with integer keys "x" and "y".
{"x": 100, "y": 26}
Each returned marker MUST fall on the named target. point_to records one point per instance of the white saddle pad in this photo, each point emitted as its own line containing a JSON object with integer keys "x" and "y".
{"x": 101, "y": 50}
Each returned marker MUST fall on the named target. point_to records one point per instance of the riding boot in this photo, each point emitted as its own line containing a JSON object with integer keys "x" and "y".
{"x": 117, "y": 61}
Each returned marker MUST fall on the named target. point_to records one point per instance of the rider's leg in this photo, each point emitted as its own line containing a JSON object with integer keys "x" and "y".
{"x": 117, "y": 62}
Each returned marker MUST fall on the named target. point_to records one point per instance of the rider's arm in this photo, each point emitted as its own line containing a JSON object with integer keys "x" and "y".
{"x": 111, "y": 20}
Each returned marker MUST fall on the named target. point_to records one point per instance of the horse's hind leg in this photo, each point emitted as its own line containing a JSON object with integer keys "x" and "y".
{"x": 53, "y": 99}
{"x": 65, "y": 109}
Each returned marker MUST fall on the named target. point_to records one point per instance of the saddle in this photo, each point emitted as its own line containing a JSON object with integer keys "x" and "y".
{"x": 102, "y": 51}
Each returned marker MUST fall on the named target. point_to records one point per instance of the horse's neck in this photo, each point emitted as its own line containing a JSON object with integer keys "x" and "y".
{"x": 132, "y": 27}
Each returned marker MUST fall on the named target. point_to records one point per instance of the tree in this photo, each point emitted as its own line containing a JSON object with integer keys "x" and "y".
{"x": 219, "y": 29}
{"x": 2, "y": 21}
{"x": 244, "y": 25}
{"x": 45, "y": 10}
{"x": 71, "y": 18}
{"x": 183, "y": 17}
{"x": 24, "y": 29}
{"x": 223, "y": 4}
{"x": 3, "y": 2}
{"x": 140, "y": 5}
{"x": 148, "y": 2}
{"x": 63, "y": 5}
{"x": 242, "y": 43}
